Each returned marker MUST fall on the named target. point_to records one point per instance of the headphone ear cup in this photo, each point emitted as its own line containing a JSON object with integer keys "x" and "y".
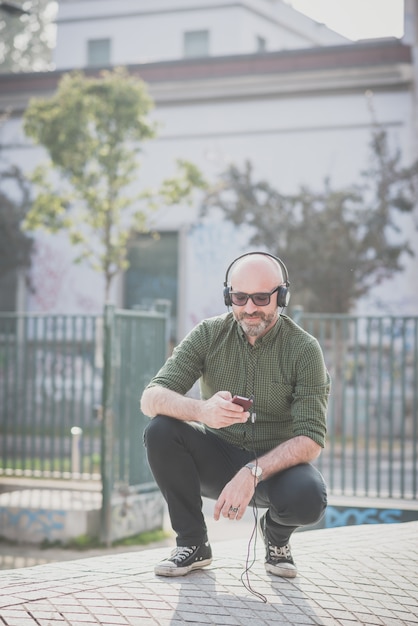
{"x": 227, "y": 297}
{"x": 283, "y": 297}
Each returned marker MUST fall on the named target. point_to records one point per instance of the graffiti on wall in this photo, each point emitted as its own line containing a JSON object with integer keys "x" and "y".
{"x": 346, "y": 516}
{"x": 31, "y": 524}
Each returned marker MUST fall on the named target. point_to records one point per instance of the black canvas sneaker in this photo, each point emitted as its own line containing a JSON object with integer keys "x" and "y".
{"x": 183, "y": 559}
{"x": 279, "y": 560}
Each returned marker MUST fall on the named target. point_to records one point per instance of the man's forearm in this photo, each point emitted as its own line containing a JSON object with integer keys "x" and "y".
{"x": 162, "y": 401}
{"x": 295, "y": 451}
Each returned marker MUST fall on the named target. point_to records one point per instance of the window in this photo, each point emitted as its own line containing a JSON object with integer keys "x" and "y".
{"x": 152, "y": 273}
{"x": 196, "y": 43}
{"x": 98, "y": 52}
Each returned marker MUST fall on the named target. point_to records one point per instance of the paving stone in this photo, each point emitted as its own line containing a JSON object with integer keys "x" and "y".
{"x": 344, "y": 580}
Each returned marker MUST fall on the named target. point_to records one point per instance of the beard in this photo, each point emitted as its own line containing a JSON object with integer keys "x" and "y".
{"x": 255, "y": 330}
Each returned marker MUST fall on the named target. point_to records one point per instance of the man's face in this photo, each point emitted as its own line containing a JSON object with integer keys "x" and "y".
{"x": 255, "y": 323}
{"x": 255, "y": 320}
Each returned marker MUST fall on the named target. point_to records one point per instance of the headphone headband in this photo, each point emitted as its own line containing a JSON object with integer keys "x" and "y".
{"x": 283, "y": 293}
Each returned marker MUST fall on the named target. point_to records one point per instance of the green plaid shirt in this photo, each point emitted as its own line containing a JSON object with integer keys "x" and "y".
{"x": 284, "y": 370}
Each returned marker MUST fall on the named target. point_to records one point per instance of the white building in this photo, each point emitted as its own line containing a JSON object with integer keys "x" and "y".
{"x": 232, "y": 81}
{"x": 140, "y": 31}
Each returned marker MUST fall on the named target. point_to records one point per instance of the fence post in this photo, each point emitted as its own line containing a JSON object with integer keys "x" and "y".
{"x": 76, "y": 433}
{"x": 106, "y": 457}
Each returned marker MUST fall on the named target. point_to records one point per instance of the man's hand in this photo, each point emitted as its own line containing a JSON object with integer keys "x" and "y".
{"x": 219, "y": 411}
{"x": 235, "y": 496}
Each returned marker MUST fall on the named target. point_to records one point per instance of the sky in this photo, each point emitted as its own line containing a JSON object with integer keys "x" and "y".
{"x": 356, "y": 19}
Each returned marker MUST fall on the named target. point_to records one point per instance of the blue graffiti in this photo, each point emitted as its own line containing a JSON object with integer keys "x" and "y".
{"x": 41, "y": 523}
{"x": 349, "y": 517}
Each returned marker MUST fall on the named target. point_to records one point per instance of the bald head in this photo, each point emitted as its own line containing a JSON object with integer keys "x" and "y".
{"x": 258, "y": 269}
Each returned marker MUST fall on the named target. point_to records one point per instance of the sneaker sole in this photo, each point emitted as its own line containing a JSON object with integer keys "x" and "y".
{"x": 284, "y": 570}
{"x": 161, "y": 570}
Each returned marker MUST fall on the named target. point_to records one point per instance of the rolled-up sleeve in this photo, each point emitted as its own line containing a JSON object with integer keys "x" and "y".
{"x": 311, "y": 394}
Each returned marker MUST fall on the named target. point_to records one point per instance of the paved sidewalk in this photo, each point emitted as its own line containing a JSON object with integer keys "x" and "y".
{"x": 353, "y": 575}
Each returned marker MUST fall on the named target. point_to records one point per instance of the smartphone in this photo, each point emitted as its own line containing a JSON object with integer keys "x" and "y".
{"x": 246, "y": 403}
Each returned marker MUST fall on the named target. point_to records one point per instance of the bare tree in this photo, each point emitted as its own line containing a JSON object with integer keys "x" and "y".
{"x": 340, "y": 243}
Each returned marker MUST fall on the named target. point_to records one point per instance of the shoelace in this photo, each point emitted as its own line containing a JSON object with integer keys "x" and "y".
{"x": 182, "y": 553}
{"x": 280, "y": 553}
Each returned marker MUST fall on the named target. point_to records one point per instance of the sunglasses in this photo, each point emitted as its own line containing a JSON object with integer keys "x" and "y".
{"x": 259, "y": 299}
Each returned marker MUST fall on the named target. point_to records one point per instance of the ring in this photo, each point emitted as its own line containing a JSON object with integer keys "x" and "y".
{"x": 234, "y": 509}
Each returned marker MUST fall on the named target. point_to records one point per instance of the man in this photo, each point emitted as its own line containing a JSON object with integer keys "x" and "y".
{"x": 217, "y": 448}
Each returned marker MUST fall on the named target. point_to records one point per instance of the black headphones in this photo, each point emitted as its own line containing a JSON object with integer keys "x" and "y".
{"x": 283, "y": 293}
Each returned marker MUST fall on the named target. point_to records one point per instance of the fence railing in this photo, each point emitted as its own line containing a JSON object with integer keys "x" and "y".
{"x": 372, "y": 447}
{"x": 50, "y": 384}
{"x": 136, "y": 344}
{"x": 51, "y": 380}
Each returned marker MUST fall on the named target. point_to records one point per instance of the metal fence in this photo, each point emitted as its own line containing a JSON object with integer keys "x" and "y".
{"x": 51, "y": 380}
{"x": 69, "y": 393}
{"x": 372, "y": 445}
{"x": 50, "y": 384}
{"x": 136, "y": 344}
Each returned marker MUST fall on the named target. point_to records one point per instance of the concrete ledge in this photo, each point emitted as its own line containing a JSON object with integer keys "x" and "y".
{"x": 38, "y": 515}
{"x": 45, "y": 513}
{"x": 356, "y": 511}
{"x": 137, "y": 513}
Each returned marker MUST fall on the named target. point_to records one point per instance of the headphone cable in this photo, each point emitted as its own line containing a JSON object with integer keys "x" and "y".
{"x": 245, "y": 576}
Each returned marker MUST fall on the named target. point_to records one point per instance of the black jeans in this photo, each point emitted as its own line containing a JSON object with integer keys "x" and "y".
{"x": 188, "y": 463}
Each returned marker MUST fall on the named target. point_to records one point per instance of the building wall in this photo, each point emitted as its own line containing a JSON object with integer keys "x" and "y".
{"x": 141, "y": 31}
{"x": 288, "y": 153}
{"x": 300, "y": 121}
